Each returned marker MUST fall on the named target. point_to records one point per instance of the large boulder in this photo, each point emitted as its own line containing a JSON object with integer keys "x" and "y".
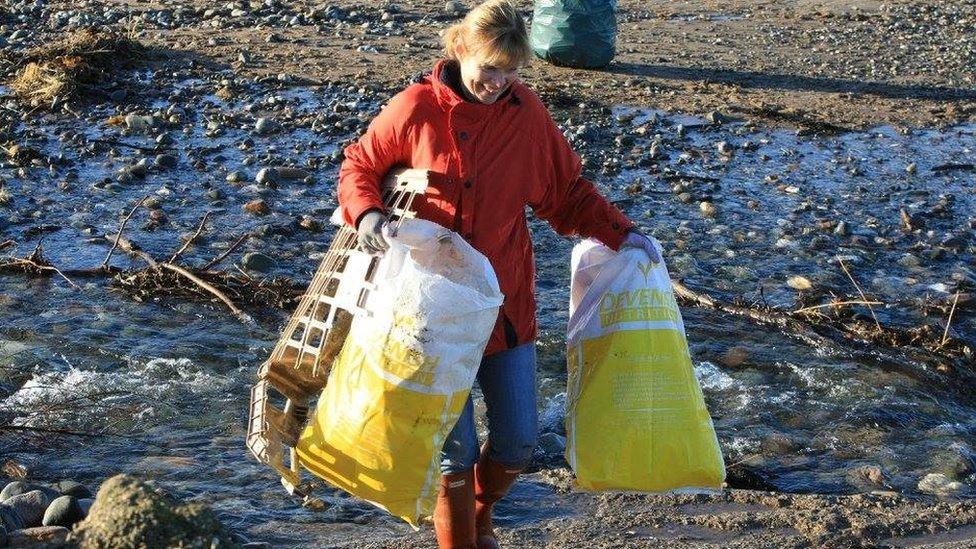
{"x": 130, "y": 513}
{"x": 27, "y": 508}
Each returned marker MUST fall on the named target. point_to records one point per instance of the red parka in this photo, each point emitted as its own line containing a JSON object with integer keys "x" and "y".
{"x": 490, "y": 162}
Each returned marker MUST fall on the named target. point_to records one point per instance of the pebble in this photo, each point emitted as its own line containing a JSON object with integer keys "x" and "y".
{"x": 453, "y": 7}
{"x": 939, "y": 485}
{"x": 267, "y": 176}
{"x": 63, "y": 511}
{"x": 841, "y": 229}
{"x": 734, "y": 357}
{"x": 870, "y": 473}
{"x": 258, "y": 262}
{"x": 724, "y": 148}
{"x": 552, "y": 444}
{"x": 707, "y": 208}
{"x": 799, "y": 283}
{"x": 137, "y": 123}
{"x": 166, "y": 161}
{"x": 236, "y": 176}
{"x": 257, "y": 207}
{"x": 265, "y": 126}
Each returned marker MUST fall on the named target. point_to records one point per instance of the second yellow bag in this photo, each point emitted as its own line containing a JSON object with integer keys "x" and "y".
{"x": 635, "y": 414}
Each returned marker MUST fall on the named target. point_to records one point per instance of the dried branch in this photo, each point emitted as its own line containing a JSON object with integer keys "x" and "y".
{"x": 244, "y": 317}
{"x": 226, "y": 253}
{"x": 863, "y": 297}
{"x": 836, "y": 304}
{"x": 118, "y": 235}
{"x": 945, "y": 334}
{"x": 186, "y": 245}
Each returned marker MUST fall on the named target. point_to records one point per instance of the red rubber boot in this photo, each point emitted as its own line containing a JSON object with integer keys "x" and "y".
{"x": 454, "y": 513}
{"x": 492, "y": 482}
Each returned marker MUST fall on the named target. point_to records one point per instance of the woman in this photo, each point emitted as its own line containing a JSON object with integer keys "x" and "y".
{"x": 493, "y": 149}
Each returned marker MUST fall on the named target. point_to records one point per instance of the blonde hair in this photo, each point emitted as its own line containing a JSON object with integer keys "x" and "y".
{"x": 494, "y": 31}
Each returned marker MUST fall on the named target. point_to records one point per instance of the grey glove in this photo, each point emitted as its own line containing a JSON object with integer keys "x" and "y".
{"x": 370, "y": 232}
{"x": 635, "y": 239}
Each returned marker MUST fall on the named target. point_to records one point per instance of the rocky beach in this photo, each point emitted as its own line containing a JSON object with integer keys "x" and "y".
{"x": 808, "y": 167}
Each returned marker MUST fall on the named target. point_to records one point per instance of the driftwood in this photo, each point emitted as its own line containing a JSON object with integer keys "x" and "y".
{"x": 918, "y": 353}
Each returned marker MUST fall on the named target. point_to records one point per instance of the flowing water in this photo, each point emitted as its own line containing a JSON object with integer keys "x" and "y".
{"x": 169, "y": 378}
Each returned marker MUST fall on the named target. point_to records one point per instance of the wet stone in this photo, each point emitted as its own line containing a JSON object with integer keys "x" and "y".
{"x": 63, "y": 511}
{"x": 166, "y": 161}
{"x": 29, "y": 507}
{"x": 257, "y": 207}
{"x": 43, "y": 536}
{"x": 267, "y": 176}
{"x": 265, "y": 126}
{"x": 258, "y": 262}
{"x": 939, "y": 485}
{"x": 552, "y": 444}
{"x": 73, "y": 488}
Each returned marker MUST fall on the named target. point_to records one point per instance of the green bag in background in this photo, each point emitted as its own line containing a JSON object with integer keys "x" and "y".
{"x": 575, "y": 33}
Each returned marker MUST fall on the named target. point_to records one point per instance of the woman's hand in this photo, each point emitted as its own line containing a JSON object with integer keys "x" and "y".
{"x": 369, "y": 232}
{"x": 635, "y": 239}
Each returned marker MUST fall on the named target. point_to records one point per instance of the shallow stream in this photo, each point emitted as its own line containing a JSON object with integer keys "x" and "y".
{"x": 170, "y": 378}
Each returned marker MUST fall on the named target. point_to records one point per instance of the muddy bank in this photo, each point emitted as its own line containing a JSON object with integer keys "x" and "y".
{"x": 734, "y": 519}
{"x": 851, "y": 64}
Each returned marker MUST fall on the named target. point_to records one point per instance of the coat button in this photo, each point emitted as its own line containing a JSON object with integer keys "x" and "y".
{"x": 616, "y": 226}
{"x": 463, "y": 136}
{"x": 467, "y": 184}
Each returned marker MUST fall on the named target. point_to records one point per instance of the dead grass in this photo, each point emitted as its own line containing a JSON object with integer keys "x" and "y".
{"x": 74, "y": 66}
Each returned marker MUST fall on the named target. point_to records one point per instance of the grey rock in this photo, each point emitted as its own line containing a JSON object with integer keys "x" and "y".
{"x": 19, "y": 487}
{"x": 452, "y": 7}
{"x": 267, "y": 176}
{"x": 63, "y": 511}
{"x": 4, "y": 538}
{"x": 841, "y": 229}
{"x": 552, "y": 418}
{"x": 938, "y": 484}
{"x": 72, "y": 488}
{"x": 40, "y": 536}
{"x": 30, "y": 507}
{"x": 257, "y": 261}
{"x": 236, "y": 176}
{"x": 165, "y": 161}
{"x": 552, "y": 444}
{"x": 9, "y": 518}
{"x": 265, "y": 126}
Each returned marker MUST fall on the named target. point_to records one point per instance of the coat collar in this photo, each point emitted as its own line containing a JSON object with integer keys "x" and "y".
{"x": 450, "y": 101}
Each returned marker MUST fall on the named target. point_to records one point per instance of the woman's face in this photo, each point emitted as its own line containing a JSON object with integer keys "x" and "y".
{"x": 483, "y": 81}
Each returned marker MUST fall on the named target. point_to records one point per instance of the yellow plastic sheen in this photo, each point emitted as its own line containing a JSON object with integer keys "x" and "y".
{"x": 638, "y": 420}
{"x": 377, "y": 440}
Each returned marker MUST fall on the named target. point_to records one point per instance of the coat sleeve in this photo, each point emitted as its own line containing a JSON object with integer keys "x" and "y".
{"x": 369, "y": 159}
{"x": 568, "y": 201}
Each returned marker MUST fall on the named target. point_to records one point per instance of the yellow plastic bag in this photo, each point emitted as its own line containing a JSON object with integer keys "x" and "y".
{"x": 635, "y": 414}
{"x": 404, "y": 374}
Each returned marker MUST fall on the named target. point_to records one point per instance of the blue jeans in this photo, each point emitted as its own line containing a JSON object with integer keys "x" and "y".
{"x": 507, "y": 381}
